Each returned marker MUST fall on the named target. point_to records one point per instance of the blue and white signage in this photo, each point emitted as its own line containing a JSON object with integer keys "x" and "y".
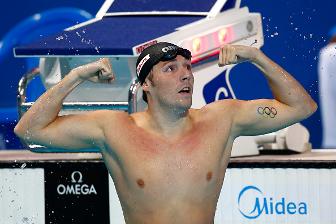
{"x": 279, "y": 195}
{"x": 214, "y": 83}
{"x": 253, "y": 202}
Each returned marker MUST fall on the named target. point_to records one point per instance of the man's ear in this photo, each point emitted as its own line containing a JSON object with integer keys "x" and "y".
{"x": 145, "y": 85}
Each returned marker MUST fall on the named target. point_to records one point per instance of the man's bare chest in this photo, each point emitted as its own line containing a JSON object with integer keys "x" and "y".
{"x": 195, "y": 156}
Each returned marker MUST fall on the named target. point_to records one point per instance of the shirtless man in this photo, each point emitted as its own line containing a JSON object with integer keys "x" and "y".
{"x": 168, "y": 162}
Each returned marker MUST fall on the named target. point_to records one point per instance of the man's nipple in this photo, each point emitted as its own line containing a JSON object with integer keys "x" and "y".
{"x": 141, "y": 183}
{"x": 209, "y": 176}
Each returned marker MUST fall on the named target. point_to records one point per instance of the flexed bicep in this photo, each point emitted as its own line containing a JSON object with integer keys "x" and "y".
{"x": 74, "y": 131}
{"x": 262, "y": 116}
{"x": 291, "y": 101}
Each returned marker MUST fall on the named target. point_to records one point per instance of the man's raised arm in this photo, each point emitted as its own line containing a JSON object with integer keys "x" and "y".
{"x": 291, "y": 102}
{"x": 42, "y": 125}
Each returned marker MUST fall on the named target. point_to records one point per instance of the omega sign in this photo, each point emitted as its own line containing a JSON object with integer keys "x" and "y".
{"x": 77, "y": 187}
{"x": 252, "y": 203}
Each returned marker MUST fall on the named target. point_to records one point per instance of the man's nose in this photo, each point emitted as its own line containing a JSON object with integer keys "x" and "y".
{"x": 187, "y": 75}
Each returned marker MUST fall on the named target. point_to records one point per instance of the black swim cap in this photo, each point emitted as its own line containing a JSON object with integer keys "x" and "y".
{"x": 153, "y": 54}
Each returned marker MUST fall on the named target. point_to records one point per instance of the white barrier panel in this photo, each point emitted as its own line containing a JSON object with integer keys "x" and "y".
{"x": 249, "y": 195}
{"x": 268, "y": 196}
{"x": 278, "y": 196}
{"x": 116, "y": 214}
{"x": 22, "y": 196}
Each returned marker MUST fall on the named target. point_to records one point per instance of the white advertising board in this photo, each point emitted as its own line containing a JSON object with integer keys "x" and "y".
{"x": 269, "y": 195}
{"x": 278, "y": 196}
{"x": 22, "y": 196}
{"x": 249, "y": 195}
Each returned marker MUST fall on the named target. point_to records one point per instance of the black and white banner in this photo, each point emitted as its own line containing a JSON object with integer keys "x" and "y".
{"x": 77, "y": 193}
{"x": 83, "y": 192}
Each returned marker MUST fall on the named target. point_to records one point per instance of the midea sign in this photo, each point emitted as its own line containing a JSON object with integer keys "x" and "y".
{"x": 252, "y": 203}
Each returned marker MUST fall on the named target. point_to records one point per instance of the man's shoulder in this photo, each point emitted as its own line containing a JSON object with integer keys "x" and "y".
{"x": 221, "y": 106}
{"x": 106, "y": 116}
{"x": 215, "y": 109}
{"x": 110, "y": 113}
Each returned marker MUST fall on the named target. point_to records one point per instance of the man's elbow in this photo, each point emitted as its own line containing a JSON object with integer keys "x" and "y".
{"x": 314, "y": 107}
{"x": 22, "y": 132}
{"x": 309, "y": 109}
{"x": 18, "y": 130}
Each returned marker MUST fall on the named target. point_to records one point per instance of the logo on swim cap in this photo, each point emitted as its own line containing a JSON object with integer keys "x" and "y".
{"x": 141, "y": 63}
{"x": 169, "y": 48}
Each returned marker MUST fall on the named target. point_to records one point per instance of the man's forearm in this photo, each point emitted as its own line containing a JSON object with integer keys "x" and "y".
{"x": 284, "y": 87}
{"x": 45, "y": 110}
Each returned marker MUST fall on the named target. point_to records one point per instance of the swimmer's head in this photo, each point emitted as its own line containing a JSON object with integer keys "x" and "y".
{"x": 153, "y": 54}
{"x": 162, "y": 51}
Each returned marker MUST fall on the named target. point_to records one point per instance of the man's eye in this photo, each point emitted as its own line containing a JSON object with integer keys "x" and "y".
{"x": 169, "y": 68}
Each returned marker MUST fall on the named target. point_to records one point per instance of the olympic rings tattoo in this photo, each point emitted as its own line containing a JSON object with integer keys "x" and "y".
{"x": 267, "y": 112}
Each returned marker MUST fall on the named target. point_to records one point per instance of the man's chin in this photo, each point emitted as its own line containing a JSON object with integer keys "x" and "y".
{"x": 184, "y": 104}
{"x": 178, "y": 105}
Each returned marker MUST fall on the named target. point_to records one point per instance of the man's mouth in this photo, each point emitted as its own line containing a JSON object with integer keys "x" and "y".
{"x": 186, "y": 91}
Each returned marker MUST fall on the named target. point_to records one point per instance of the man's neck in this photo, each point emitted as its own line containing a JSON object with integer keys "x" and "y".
{"x": 169, "y": 121}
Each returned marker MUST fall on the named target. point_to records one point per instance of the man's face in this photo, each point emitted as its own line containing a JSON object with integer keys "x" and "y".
{"x": 172, "y": 83}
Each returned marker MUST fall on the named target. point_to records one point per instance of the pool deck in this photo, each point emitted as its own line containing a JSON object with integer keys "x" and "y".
{"x": 320, "y": 155}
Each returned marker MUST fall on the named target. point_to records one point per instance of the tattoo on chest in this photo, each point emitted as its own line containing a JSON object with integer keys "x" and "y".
{"x": 267, "y": 111}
